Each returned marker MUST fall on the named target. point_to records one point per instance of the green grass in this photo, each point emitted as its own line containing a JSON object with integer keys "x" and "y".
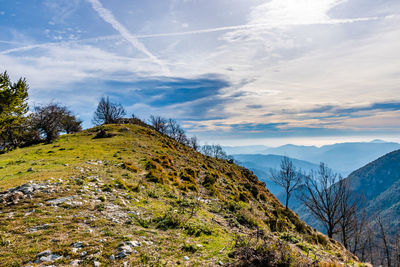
{"x": 139, "y": 185}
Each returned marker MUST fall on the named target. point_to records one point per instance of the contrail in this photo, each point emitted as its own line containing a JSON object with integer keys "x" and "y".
{"x": 203, "y": 31}
{"x": 261, "y": 26}
{"x": 109, "y": 18}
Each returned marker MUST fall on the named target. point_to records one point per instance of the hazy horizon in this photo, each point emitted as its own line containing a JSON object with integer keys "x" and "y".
{"x": 305, "y": 141}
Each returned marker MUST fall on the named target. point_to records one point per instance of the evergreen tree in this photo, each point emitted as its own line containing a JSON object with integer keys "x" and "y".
{"x": 13, "y": 108}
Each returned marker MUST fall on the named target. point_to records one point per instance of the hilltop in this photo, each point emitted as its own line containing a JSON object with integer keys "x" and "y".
{"x": 139, "y": 198}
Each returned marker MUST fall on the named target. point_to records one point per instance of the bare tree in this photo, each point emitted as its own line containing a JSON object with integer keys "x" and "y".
{"x": 359, "y": 225}
{"x": 287, "y": 177}
{"x": 108, "y": 112}
{"x": 172, "y": 128}
{"x": 397, "y": 250}
{"x": 194, "y": 143}
{"x": 218, "y": 152}
{"x": 322, "y": 196}
{"x": 347, "y": 209}
{"x": 207, "y": 150}
{"x": 159, "y": 123}
{"x": 175, "y": 131}
{"x": 48, "y": 120}
{"x": 180, "y": 136}
{"x": 384, "y": 237}
{"x": 215, "y": 151}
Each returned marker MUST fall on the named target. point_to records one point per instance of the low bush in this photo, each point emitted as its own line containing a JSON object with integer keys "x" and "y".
{"x": 197, "y": 229}
{"x": 170, "y": 220}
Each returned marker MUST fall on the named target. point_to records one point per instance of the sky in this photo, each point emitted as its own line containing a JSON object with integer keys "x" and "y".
{"x": 234, "y": 72}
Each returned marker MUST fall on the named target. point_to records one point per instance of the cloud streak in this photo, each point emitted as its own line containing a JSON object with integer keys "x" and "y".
{"x": 261, "y": 26}
{"x": 108, "y": 17}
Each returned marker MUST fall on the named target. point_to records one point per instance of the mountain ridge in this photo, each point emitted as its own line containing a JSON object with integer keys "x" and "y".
{"x": 342, "y": 157}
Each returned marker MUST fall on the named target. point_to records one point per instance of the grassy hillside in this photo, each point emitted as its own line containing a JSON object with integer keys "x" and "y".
{"x": 142, "y": 199}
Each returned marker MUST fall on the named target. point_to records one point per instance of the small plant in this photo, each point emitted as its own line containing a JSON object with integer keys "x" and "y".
{"x": 152, "y": 193}
{"x": 170, "y": 220}
{"x": 102, "y": 133}
{"x": 165, "y": 161}
{"x": 209, "y": 182}
{"x": 100, "y": 207}
{"x": 286, "y": 236}
{"x": 121, "y": 184}
{"x": 145, "y": 223}
{"x": 130, "y": 167}
{"x": 155, "y": 177}
{"x": 246, "y": 219}
{"x": 107, "y": 188}
{"x": 189, "y": 248}
{"x": 323, "y": 240}
{"x": 195, "y": 229}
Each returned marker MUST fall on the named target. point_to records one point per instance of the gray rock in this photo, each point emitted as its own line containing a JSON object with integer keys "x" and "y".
{"x": 74, "y": 203}
{"x": 96, "y": 263}
{"x": 122, "y": 254}
{"x": 39, "y": 227}
{"x": 78, "y": 244}
{"x": 59, "y": 200}
{"x": 127, "y": 249}
{"x": 186, "y": 258}
{"x": 48, "y": 258}
{"x": 132, "y": 243}
{"x": 44, "y": 253}
{"x": 112, "y": 257}
{"x": 75, "y": 263}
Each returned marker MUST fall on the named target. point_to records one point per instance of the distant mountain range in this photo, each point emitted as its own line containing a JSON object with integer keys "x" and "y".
{"x": 342, "y": 157}
{"x": 378, "y": 177}
{"x": 261, "y": 165}
{"x": 232, "y": 150}
{"x": 379, "y": 182}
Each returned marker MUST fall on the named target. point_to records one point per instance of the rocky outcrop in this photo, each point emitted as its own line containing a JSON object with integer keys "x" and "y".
{"x": 14, "y": 195}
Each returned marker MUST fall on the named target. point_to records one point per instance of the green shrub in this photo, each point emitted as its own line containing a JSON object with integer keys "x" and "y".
{"x": 188, "y": 178}
{"x": 244, "y": 196}
{"x": 189, "y": 248}
{"x": 165, "y": 161}
{"x": 145, "y": 223}
{"x": 155, "y": 177}
{"x": 170, "y": 220}
{"x": 322, "y": 239}
{"x": 130, "y": 167}
{"x": 196, "y": 229}
{"x": 253, "y": 189}
{"x": 121, "y": 184}
{"x": 247, "y": 219}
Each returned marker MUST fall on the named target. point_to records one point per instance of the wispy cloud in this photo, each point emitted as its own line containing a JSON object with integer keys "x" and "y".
{"x": 261, "y": 26}
{"x": 109, "y": 18}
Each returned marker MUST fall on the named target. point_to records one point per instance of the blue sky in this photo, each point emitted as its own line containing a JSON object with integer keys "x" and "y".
{"x": 233, "y": 72}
